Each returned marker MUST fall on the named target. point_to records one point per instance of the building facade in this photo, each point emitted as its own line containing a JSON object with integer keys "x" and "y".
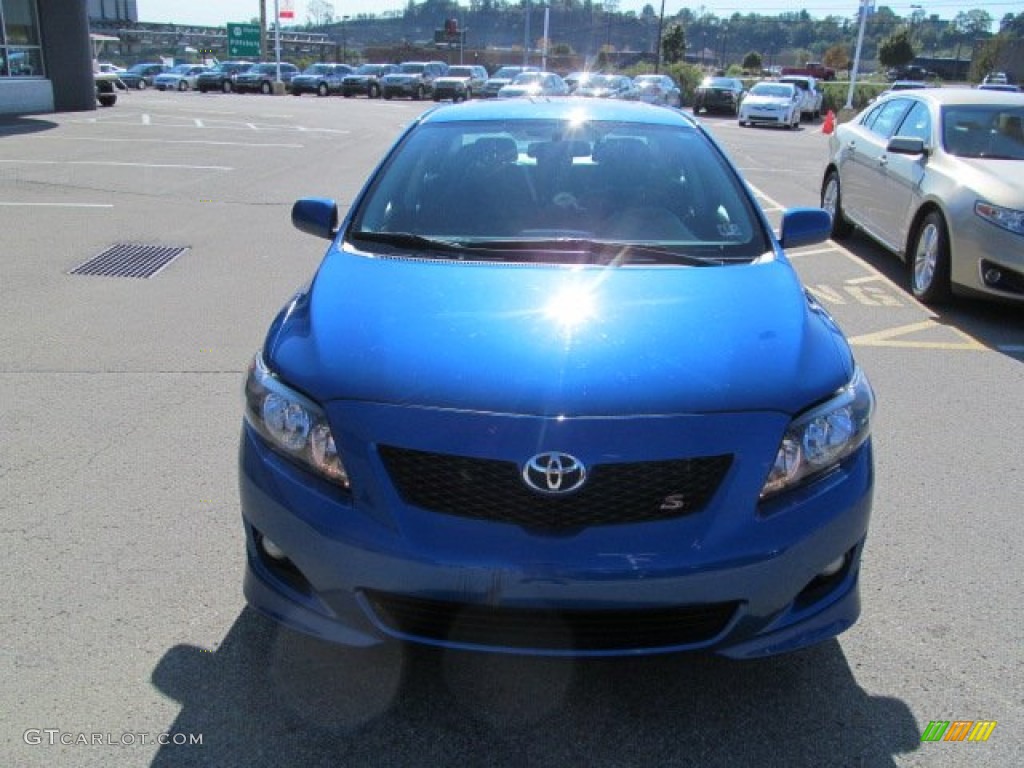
{"x": 45, "y": 56}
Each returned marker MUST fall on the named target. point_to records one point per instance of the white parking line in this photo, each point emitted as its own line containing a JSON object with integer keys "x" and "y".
{"x": 266, "y": 145}
{"x": 56, "y": 205}
{"x": 109, "y": 163}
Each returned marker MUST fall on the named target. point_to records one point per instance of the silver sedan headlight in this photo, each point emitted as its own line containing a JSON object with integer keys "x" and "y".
{"x": 291, "y": 423}
{"x": 821, "y": 438}
{"x": 1007, "y": 218}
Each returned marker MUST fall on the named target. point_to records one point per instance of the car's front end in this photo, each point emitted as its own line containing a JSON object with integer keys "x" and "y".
{"x": 503, "y": 445}
{"x": 712, "y": 96}
{"x": 402, "y": 85}
{"x": 779, "y": 111}
{"x": 454, "y": 88}
{"x": 307, "y": 84}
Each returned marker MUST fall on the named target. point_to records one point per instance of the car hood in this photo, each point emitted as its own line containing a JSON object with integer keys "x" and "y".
{"x": 997, "y": 181}
{"x": 755, "y": 100}
{"x": 555, "y": 340}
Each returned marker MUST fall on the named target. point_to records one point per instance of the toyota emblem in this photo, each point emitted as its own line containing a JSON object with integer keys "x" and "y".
{"x": 554, "y": 473}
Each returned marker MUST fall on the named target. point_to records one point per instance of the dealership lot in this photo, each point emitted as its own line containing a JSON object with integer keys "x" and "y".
{"x": 123, "y": 549}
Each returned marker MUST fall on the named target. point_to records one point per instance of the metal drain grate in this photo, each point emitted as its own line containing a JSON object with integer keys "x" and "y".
{"x": 130, "y": 260}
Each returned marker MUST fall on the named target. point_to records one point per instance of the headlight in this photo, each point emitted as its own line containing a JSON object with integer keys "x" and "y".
{"x": 821, "y": 438}
{"x": 292, "y": 424}
{"x": 1007, "y": 218}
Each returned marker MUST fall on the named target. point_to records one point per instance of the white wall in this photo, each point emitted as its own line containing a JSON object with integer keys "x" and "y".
{"x": 25, "y": 96}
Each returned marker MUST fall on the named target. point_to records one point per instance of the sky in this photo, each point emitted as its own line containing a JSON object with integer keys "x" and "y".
{"x": 218, "y": 12}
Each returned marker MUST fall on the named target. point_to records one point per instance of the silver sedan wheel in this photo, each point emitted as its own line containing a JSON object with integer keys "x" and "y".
{"x": 929, "y": 270}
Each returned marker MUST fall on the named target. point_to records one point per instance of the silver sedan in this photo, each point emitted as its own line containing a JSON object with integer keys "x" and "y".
{"x": 937, "y": 177}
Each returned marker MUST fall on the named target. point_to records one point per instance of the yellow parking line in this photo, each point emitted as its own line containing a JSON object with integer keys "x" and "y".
{"x": 888, "y": 338}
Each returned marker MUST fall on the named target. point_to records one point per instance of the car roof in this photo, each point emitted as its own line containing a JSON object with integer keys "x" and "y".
{"x": 962, "y": 96}
{"x": 560, "y": 107}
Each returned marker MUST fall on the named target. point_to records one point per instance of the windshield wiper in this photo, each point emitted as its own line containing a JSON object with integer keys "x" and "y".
{"x": 609, "y": 251}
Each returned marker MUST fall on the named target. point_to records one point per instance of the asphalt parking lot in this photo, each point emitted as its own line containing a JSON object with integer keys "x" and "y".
{"x": 123, "y": 549}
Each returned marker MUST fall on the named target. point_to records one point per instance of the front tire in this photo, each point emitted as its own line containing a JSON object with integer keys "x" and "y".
{"x": 373, "y": 92}
{"x": 418, "y": 95}
{"x": 832, "y": 201}
{"x": 226, "y": 86}
{"x": 182, "y": 86}
{"x": 266, "y": 88}
{"x": 929, "y": 261}
{"x": 141, "y": 86}
{"x": 322, "y": 90}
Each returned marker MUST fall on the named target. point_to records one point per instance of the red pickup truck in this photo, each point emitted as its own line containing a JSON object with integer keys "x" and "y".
{"x": 812, "y": 69}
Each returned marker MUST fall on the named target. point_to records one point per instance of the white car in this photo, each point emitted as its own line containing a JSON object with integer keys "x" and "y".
{"x": 179, "y": 78}
{"x": 769, "y": 103}
{"x": 812, "y": 97}
{"x": 534, "y": 85}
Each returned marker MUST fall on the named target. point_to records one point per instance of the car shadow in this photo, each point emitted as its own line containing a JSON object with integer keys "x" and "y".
{"x": 269, "y": 697}
{"x": 14, "y": 125}
{"x": 998, "y": 326}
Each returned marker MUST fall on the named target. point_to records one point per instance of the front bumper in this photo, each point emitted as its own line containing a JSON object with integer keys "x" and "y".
{"x": 732, "y": 579}
{"x": 409, "y": 89}
{"x": 766, "y": 116}
{"x": 978, "y": 247}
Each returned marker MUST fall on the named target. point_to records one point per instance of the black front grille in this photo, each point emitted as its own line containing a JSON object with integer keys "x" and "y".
{"x": 539, "y": 629}
{"x": 486, "y": 489}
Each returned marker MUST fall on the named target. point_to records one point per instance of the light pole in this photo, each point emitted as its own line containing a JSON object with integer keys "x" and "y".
{"x": 344, "y": 41}
{"x": 526, "y": 36}
{"x": 864, "y": 5}
{"x": 661, "y": 24}
{"x": 544, "y": 49}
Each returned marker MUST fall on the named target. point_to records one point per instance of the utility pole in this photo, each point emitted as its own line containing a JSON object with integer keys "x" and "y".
{"x": 661, "y": 24}
{"x": 263, "y": 30}
{"x": 856, "y": 56}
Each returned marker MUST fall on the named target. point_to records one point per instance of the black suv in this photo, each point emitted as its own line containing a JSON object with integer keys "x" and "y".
{"x": 414, "y": 79}
{"x": 366, "y": 80}
{"x": 260, "y": 77}
{"x": 221, "y": 77}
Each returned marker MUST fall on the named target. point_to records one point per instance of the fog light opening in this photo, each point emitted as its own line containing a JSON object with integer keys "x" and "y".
{"x": 833, "y": 568}
{"x": 993, "y": 276}
{"x": 271, "y": 550}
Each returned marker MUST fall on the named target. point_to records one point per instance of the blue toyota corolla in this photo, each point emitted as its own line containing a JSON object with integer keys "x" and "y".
{"x": 556, "y": 389}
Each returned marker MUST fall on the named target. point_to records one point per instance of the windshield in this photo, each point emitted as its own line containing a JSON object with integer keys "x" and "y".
{"x": 460, "y": 72}
{"x": 318, "y": 69}
{"x": 181, "y": 69}
{"x": 530, "y": 187}
{"x": 995, "y": 132}
{"x": 507, "y": 72}
{"x": 526, "y": 78}
{"x": 411, "y": 69}
{"x": 718, "y": 82}
{"x": 767, "y": 89}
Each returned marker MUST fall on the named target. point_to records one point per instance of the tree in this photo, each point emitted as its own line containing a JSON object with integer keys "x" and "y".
{"x": 319, "y": 13}
{"x": 752, "y": 62}
{"x": 673, "y": 44}
{"x": 896, "y": 50}
{"x": 837, "y": 57}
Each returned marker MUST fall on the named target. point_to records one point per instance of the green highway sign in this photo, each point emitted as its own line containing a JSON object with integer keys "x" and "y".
{"x": 244, "y": 40}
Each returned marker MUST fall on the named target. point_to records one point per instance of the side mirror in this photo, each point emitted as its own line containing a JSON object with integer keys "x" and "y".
{"x": 906, "y": 145}
{"x": 804, "y": 226}
{"x": 316, "y": 216}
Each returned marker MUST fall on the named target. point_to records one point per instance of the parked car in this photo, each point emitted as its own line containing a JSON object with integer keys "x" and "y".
{"x": 909, "y": 72}
{"x": 995, "y": 78}
{"x": 771, "y": 103}
{"x": 501, "y": 78}
{"x": 534, "y": 85}
{"x": 181, "y": 77}
{"x": 221, "y": 77}
{"x": 1004, "y": 87}
{"x": 718, "y": 94}
{"x": 140, "y": 76}
{"x": 575, "y": 79}
{"x": 607, "y": 87}
{"x": 493, "y": 423}
{"x": 365, "y": 81}
{"x": 658, "y": 89}
{"x": 935, "y": 175}
{"x": 260, "y": 78}
{"x": 106, "y": 68}
{"x": 461, "y": 82}
{"x": 810, "y": 108}
{"x": 322, "y": 79}
{"x": 413, "y": 79}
